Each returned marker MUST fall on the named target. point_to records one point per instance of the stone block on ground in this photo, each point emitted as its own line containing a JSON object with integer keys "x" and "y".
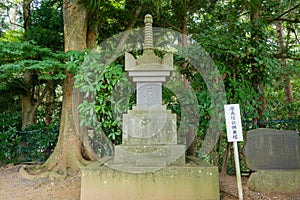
{"x": 192, "y": 181}
{"x": 272, "y": 149}
{"x": 287, "y": 181}
{"x": 141, "y": 155}
{"x": 149, "y": 125}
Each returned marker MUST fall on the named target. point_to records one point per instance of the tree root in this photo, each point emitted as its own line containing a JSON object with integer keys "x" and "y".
{"x": 42, "y": 183}
{"x": 82, "y": 163}
{"x": 55, "y": 173}
{"x": 53, "y": 170}
{"x": 28, "y": 175}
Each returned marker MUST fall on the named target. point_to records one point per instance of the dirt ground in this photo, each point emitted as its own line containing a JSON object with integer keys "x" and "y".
{"x": 13, "y": 186}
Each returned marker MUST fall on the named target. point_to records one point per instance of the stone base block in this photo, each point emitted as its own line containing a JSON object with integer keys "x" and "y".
{"x": 275, "y": 181}
{"x": 146, "y": 125}
{"x": 186, "y": 182}
{"x": 162, "y": 155}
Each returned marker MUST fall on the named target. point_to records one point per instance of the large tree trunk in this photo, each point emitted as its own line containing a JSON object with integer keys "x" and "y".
{"x": 67, "y": 155}
{"x": 256, "y": 12}
{"x": 49, "y": 106}
{"x": 27, "y": 98}
{"x": 32, "y": 99}
{"x": 289, "y": 97}
{"x": 27, "y": 114}
{"x": 26, "y": 13}
{"x": 68, "y": 151}
{"x": 190, "y": 135}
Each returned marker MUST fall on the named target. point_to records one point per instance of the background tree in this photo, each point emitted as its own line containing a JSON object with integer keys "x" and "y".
{"x": 33, "y": 88}
{"x": 64, "y": 157}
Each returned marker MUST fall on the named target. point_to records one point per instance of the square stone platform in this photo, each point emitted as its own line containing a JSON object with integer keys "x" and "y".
{"x": 162, "y": 155}
{"x": 195, "y": 180}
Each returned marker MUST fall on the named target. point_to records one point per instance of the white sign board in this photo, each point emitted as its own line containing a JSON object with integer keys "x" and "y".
{"x": 233, "y": 123}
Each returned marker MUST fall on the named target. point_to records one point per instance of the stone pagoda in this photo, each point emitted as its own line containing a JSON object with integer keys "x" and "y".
{"x": 150, "y": 163}
{"x": 149, "y": 129}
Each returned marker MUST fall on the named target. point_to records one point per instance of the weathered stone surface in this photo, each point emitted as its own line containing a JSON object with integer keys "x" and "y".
{"x": 272, "y": 149}
{"x": 149, "y": 62}
{"x": 275, "y": 181}
{"x": 149, "y": 125}
{"x": 162, "y": 155}
{"x": 149, "y": 94}
{"x": 190, "y": 181}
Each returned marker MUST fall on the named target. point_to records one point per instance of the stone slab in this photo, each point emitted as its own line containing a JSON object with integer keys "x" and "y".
{"x": 159, "y": 155}
{"x": 272, "y": 149}
{"x": 149, "y": 79}
{"x": 287, "y": 181}
{"x": 148, "y": 127}
{"x": 148, "y": 93}
{"x": 190, "y": 181}
{"x": 149, "y": 73}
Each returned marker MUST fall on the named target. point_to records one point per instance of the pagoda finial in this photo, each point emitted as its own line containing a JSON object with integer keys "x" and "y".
{"x": 148, "y": 33}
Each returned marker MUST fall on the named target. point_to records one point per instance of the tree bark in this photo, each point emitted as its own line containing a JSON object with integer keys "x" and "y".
{"x": 75, "y": 26}
{"x": 28, "y": 117}
{"x": 32, "y": 100}
{"x": 26, "y": 13}
{"x": 49, "y": 107}
{"x": 255, "y": 16}
{"x": 289, "y": 97}
{"x": 182, "y": 18}
{"x": 226, "y": 158}
{"x": 27, "y": 97}
{"x": 68, "y": 151}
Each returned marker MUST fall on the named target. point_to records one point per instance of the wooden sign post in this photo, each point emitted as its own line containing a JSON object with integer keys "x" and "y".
{"x": 235, "y": 134}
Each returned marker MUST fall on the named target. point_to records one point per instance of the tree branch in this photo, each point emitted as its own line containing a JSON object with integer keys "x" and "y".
{"x": 11, "y": 22}
{"x": 287, "y": 20}
{"x": 283, "y": 19}
{"x": 166, "y": 21}
{"x": 41, "y": 97}
{"x": 284, "y": 13}
{"x": 287, "y": 57}
{"x": 296, "y": 37}
{"x": 130, "y": 26}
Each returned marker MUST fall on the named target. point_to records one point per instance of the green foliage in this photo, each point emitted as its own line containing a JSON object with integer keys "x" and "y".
{"x": 105, "y": 16}
{"x": 105, "y": 106}
{"x": 74, "y": 60}
{"x": 20, "y": 57}
{"x": 34, "y": 144}
{"x": 46, "y": 24}
{"x": 9, "y": 141}
{"x": 111, "y": 100}
{"x": 9, "y": 138}
{"x": 12, "y": 8}
{"x": 37, "y": 142}
{"x": 12, "y": 36}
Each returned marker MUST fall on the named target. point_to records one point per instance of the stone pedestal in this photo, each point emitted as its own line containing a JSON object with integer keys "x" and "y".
{"x": 274, "y": 155}
{"x": 137, "y": 155}
{"x": 191, "y": 181}
{"x": 287, "y": 181}
{"x": 149, "y": 125}
{"x": 149, "y": 138}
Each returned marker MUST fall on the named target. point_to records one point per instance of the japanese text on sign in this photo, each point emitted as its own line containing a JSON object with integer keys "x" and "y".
{"x": 233, "y": 123}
